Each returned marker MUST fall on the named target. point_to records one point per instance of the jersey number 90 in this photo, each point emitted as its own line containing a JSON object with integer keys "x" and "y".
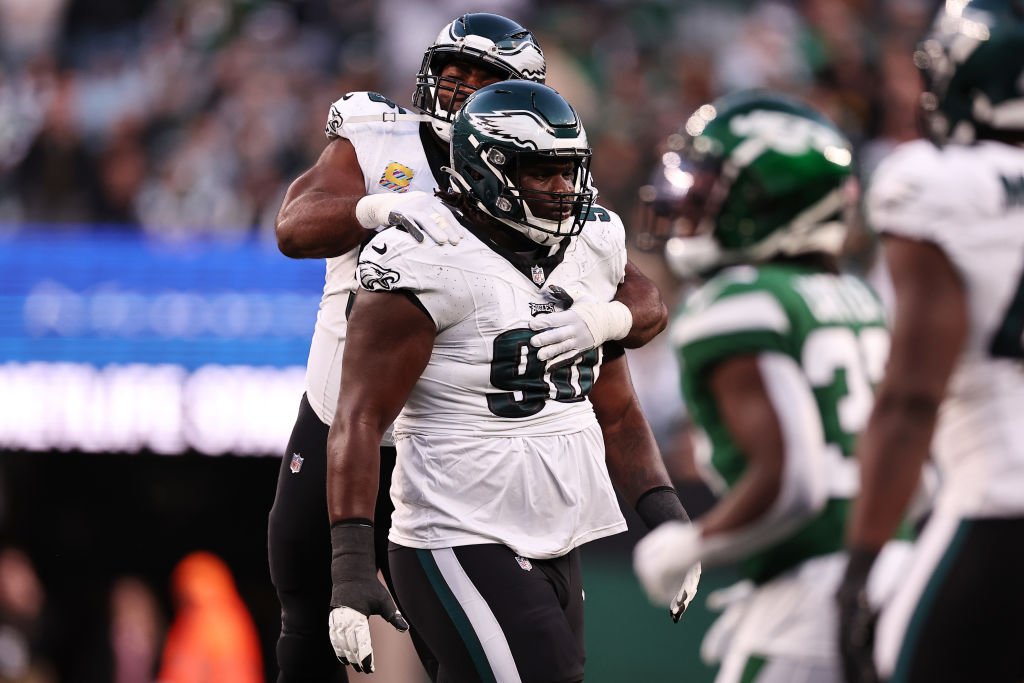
{"x": 521, "y": 375}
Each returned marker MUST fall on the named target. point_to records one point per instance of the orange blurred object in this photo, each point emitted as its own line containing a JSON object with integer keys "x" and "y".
{"x": 213, "y": 638}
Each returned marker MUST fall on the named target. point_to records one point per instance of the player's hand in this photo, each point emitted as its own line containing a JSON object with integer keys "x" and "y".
{"x": 685, "y": 594}
{"x": 418, "y": 212}
{"x": 356, "y": 594}
{"x": 585, "y": 326}
{"x": 350, "y": 633}
{"x": 857, "y": 621}
{"x": 665, "y": 559}
{"x": 436, "y": 221}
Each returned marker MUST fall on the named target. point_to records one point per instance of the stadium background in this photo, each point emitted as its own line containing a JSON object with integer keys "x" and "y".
{"x": 152, "y": 338}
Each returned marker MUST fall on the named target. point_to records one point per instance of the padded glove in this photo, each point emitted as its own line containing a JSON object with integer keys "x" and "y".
{"x": 418, "y": 212}
{"x": 667, "y": 563}
{"x": 356, "y": 594}
{"x": 585, "y": 326}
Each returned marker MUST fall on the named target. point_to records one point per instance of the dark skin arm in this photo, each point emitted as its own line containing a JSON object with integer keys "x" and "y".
{"x": 642, "y": 298}
{"x": 389, "y": 343}
{"x": 753, "y": 424}
{"x": 928, "y": 335}
{"x": 631, "y": 453}
{"x": 317, "y": 217}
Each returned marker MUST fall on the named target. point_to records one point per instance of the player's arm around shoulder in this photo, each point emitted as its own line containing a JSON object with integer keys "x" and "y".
{"x": 317, "y": 217}
{"x": 326, "y": 210}
{"x": 637, "y": 293}
{"x": 646, "y": 307}
{"x": 634, "y": 315}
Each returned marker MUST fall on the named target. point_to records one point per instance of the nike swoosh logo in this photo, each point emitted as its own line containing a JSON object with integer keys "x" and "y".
{"x": 379, "y": 250}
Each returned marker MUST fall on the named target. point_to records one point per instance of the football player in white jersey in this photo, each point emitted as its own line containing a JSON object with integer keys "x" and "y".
{"x": 382, "y": 156}
{"x": 951, "y": 214}
{"x": 503, "y": 458}
{"x": 778, "y": 354}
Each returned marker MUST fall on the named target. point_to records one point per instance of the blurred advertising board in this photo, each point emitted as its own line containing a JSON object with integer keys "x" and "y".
{"x": 113, "y": 342}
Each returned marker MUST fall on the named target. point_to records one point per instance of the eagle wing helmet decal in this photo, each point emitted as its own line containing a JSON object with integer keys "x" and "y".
{"x": 522, "y": 127}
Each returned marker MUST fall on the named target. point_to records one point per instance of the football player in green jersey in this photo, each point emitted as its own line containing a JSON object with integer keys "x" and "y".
{"x": 779, "y": 353}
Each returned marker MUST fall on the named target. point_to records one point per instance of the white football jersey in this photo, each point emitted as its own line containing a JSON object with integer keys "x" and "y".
{"x": 969, "y": 201}
{"x": 386, "y": 138}
{"x": 492, "y": 446}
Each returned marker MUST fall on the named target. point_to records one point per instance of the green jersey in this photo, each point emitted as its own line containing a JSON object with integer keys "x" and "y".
{"x": 833, "y": 327}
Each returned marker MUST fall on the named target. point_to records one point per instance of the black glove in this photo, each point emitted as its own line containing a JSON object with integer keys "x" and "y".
{"x": 857, "y": 619}
{"x": 356, "y": 594}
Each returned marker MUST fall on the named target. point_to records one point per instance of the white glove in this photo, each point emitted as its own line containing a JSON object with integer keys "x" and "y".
{"x": 418, "y": 212}
{"x": 585, "y": 326}
{"x": 350, "y": 636}
{"x": 685, "y": 594}
{"x": 668, "y": 558}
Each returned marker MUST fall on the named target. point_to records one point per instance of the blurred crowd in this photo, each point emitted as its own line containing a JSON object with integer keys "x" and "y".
{"x": 185, "y": 117}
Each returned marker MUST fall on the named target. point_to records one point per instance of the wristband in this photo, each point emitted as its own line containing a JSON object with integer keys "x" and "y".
{"x": 352, "y": 554}
{"x": 660, "y": 504}
{"x": 859, "y": 566}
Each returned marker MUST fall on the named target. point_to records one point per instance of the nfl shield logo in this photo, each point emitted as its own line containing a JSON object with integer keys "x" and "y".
{"x": 524, "y": 563}
{"x": 296, "y": 463}
{"x": 538, "y": 275}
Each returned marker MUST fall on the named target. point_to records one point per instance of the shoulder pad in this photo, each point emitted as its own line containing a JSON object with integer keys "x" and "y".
{"x": 732, "y": 305}
{"x": 599, "y": 214}
{"x": 382, "y": 263}
{"x": 354, "y": 106}
{"x": 726, "y": 282}
{"x": 604, "y": 229}
{"x": 913, "y": 192}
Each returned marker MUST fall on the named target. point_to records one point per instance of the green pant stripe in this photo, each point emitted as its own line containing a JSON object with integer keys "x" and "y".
{"x": 927, "y": 600}
{"x": 753, "y": 667}
{"x": 457, "y": 615}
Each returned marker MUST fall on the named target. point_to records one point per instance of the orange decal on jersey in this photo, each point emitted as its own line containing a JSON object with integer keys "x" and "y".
{"x": 397, "y": 177}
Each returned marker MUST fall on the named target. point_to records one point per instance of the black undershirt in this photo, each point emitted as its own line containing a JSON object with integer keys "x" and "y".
{"x": 436, "y": 153}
